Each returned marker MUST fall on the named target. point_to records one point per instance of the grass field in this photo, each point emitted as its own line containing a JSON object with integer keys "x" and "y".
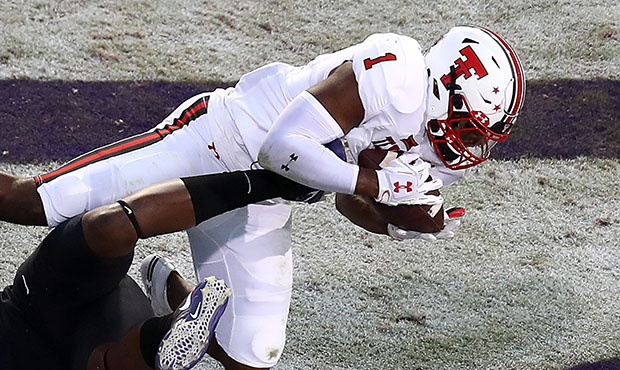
{"x": 532, "y": 279}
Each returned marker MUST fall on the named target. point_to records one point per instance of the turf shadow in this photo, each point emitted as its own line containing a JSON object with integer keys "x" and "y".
{"x": 611, "y": 364}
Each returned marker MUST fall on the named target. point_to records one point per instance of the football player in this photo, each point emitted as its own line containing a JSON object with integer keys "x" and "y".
{"x": 446, "y": 108}
{"x": 72, "y": 306}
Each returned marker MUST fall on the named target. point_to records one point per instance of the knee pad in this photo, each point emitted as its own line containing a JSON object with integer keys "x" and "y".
{"x": 268, "y": 344}
{"x": 250, "y": 249}
{"x": 105, "y": 182}
{"x": 63, "y": 198}
{"x": 141, "y": 170}
{"x": 259, "y": 341}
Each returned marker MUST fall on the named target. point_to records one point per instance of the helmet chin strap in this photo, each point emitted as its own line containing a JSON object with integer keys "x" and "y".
{"x": 452, "y": 87}
{"x": 449, "y": 154}
{"x": 446, "y": 151}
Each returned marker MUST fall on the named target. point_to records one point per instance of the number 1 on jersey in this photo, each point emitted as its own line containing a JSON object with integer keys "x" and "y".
{"x": 369, "y": 63}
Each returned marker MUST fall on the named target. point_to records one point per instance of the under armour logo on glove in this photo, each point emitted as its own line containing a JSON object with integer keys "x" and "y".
{"x": 398, "y": 186}
{"x": 407, "y": 169}
{"x": 293, "y": 157}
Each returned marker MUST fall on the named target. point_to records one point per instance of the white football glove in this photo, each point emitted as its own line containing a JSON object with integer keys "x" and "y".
{"x": 451, "y": 224}
{"x": 403, "y": 181}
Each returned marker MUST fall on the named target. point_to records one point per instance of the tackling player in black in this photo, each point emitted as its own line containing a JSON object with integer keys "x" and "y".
{"x": 72, "y": 304}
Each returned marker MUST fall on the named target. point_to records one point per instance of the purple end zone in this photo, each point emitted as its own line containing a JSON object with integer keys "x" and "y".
{"x": 58, "y": 120}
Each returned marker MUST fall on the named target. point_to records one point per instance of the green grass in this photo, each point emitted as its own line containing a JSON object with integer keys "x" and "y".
{"x": 193, "y": 40}
{"x": 530, "y": 281}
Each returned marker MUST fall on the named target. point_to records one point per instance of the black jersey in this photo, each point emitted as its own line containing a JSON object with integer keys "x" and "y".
{"x": 64, "y": 302}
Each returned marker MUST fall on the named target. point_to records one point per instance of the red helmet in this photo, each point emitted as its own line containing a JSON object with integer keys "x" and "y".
{"x": 476, "y": 90}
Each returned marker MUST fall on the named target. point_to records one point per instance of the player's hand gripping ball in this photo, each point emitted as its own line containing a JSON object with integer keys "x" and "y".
{"x": 422, "y": 218}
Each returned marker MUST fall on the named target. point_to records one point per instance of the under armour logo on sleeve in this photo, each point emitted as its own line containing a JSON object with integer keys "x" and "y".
{"x": 212, "y": 147}
{"x": 293, "y": 157}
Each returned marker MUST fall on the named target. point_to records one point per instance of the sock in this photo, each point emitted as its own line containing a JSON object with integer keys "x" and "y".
{"x": 218, "y": 193}
{"x": 151, "y": 334}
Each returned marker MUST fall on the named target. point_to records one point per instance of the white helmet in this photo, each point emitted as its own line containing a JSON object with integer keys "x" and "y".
{"x": 476, "y": 90}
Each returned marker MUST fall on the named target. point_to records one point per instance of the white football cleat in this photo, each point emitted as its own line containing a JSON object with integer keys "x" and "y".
{"x": 193, "y": 326}
{"x": 155, "y": 271}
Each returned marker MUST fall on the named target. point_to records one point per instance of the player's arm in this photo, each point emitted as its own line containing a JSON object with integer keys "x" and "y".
{"x": 339, "y": 95}
{"x": 19, "y": 201}
{"x": 328, "y": 110}
{"x": 359, "y": 210}
{"x": 180, "y": 204}
{"x": 294, "y": 145}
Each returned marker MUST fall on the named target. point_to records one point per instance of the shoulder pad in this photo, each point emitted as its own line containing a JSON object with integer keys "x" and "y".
{"x": 390, "y": 70}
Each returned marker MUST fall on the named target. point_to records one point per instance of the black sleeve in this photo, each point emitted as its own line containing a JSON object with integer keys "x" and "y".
{"x": 218, "y": 193}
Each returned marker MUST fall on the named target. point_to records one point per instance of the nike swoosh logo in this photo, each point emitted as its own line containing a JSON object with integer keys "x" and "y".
{"x": 128, "y": 210}
{"x": 194, "y": 315}
{"x": 26, "y": 285}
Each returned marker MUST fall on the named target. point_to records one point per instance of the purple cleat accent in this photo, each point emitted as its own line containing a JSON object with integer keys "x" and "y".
{"x": 193, "y": 327}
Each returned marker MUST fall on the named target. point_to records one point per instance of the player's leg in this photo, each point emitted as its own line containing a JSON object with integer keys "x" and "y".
{"x": 167, "y": 290}
{"x": 163, "y": 284}
{"x": 61, "y": 279}
{"x": 250, "y": 249}
{"x": 78, "y": 280}
{"x": 120, "y": 355}
{"x": 175, "y": 148}
{"x": 111, "y": 232}
{"x": 194, "y": 323}
{"x": 114, "y": 318}
{"x": 172, "y": 149}
{"x": 173, "y": 341}
{"x": 213, "y": 249}
{"x": 178, "y": 288}
{"x": 19, "y": 201}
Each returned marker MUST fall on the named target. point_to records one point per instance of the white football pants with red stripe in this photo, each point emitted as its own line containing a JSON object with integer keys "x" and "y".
{"x": 250, "y": 248}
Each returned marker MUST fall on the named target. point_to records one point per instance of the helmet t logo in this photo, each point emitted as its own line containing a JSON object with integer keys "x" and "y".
{"x": 464, "y": 67}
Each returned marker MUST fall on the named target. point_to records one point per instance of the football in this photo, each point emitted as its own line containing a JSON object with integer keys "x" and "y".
{"x": 408, "y": 217}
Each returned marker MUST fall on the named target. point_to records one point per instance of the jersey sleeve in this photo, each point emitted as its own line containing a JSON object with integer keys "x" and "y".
{"x": 390, "y": 73}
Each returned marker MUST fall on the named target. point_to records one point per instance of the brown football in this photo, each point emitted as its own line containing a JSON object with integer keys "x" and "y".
{"x": 407, "y": 217}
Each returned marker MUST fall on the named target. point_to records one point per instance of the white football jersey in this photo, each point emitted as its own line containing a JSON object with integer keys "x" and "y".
{"x": 392, "y": 84}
